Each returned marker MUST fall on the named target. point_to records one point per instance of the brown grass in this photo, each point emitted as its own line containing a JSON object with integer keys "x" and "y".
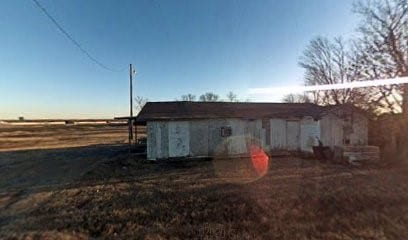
{"x": 43, "y": 136}
{"x": 126, "y": 198}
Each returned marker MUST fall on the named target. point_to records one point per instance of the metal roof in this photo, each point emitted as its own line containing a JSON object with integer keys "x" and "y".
{"x": 204, "y": 110}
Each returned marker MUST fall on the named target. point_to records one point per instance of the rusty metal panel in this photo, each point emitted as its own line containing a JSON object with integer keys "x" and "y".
{"x": 278, "y": 134}
{"x": 179, "y": 139}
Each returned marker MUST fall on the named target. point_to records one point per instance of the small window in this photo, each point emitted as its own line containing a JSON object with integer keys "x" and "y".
{"x": 226, "y": 131}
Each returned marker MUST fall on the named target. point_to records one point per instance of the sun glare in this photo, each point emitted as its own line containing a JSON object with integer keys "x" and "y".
{"x": 259, "y": 159}
{"x": 300, "y": 89}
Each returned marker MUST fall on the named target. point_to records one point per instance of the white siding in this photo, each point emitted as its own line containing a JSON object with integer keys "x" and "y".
{"x": 179, "y": 138}
{"x": 162, "y": 139}
{"x": 331, "y": 131}
{"x": 309, "y": 130}
{"x": 199, "y": 138}
{"x": 278, "y": 134}
{"x": 203, "y": 137}
{"x": 237, "y": 141}
{"x": 151, "y": 140}
{"x": 293, "y": 135}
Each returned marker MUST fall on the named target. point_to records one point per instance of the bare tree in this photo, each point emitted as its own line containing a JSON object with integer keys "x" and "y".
{"x": 188, "y": 97}
{"x": 209, "y": 97}
{"x": 382, "y": 50}
{"x": 232, "y": 97}
{"x": 296, "y": 98}
{"x": 140, "y": 102}
{"x": 328, "y": 62}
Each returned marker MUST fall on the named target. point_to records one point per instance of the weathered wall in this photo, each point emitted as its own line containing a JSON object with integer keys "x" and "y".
{"x": 179, "y": 138}
{"x": 162, "y": 139}
{"x": 203, "y": 137}
{"x": 157, "y": 140}
{"x": 331, "y": 131}
{"x": 237, "y": 141}
{"x": 278, "y": 134}
{"x": 336, "y": 131}
{"x": 199, "y": 138}
{"x": 151, "y": 140}
{"x": 309, "y": 131}
{"x": 293, "y": 135}
{"x": 215, "y": 140}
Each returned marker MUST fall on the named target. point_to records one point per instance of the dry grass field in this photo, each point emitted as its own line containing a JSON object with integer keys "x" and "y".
{"x": 46, "y": 136}
{"x": 100, "y": 191}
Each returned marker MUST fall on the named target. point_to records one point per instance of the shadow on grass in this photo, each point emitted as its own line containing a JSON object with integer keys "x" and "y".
{"x": 42, "y": 167}
{"x": 123, "y": 197}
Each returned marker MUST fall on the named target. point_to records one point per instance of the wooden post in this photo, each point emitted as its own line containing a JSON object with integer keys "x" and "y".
{"x": 131, "y": 107}
{"x": 135, "y": 133}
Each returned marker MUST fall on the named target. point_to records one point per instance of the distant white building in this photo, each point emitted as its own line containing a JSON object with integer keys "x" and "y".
{"x": 205, "y": 129}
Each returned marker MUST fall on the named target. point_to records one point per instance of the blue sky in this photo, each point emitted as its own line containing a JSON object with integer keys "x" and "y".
{"x": 176, "y": 46}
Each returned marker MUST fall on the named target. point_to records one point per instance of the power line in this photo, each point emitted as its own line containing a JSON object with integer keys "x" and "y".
{"x": 71, "y": 38}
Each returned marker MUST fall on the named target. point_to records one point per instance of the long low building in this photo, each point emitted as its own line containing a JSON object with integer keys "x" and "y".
{"x": 205, "y": 129}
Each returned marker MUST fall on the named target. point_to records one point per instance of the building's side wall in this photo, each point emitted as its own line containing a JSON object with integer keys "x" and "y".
{"x": 215, "y": 140}
{"x": 278, "y": 134}
{"x": 309, "y": 131}
{"x": 179, "y": 138}
{"x": 151, "y": 140}
{"x": 162, "y": 139}
{"x": 243, "y": 132}
{"x": 199, "y": 138}
{"x": 331, "y": 129}
{"x": 157, "y": 140}
{"x": 237, "y": 142}
{"x": 254, "y": 132}
{"x": 336, "y": 131}
{"x": 203, "y": 137}
{"x": 293, "y": 135}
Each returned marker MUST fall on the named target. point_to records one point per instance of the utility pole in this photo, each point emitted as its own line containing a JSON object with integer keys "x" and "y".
{"x": 131, "y": 107}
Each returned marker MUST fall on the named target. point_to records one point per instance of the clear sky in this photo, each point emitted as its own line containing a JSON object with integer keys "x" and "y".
{"x": 176, "y": 46}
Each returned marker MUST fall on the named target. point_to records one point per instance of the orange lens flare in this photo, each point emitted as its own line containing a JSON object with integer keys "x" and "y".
{"x": 259, "y": 159}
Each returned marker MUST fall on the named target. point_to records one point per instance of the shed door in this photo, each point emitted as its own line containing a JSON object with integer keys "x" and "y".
{"x": 179, "y": 139}
{"x": 292, "y": 135}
